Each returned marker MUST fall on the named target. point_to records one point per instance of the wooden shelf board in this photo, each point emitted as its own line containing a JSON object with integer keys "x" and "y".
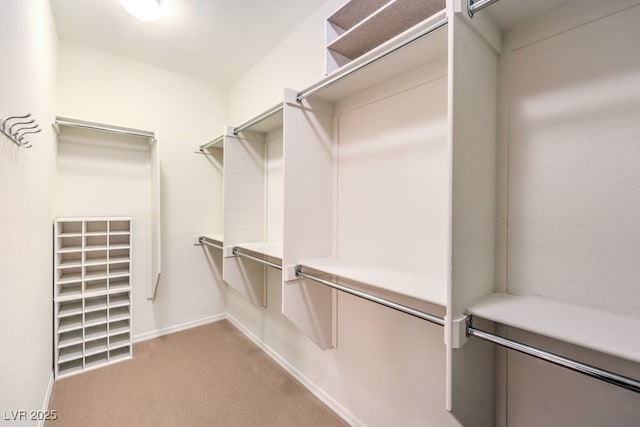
{"x": 413, "y": 285}
{"x": 587, "y": 327}
{"x": 387, "y": 22}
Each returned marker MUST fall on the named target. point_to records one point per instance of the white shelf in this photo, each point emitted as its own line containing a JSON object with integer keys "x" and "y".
{"x": 95, "y": 346}
{"x": 95, "y": 332}
{"x": 68, "y": 354}
{"x": 68, "y": 339}
{"x": 67, "y": 324}
{"x": 381, "y": 25}
{"x": 420, "y": 52}
{"x": 418, "y": 286}
{"x": 119, "y": 300}
{"x": 217, "y": 238}
{"x": 119, "y": 327}
{"x": 270, "y": 250}
{"x": 118, "y": 341}
{"x": 588, "y": 327}
{"x": 70, "y": 308}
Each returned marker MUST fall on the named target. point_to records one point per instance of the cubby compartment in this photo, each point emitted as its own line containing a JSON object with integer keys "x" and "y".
{"x": 119, "y": 340}
{"x": 95, "y": 286}
{"x": 119, "y": 269}
{"x": 69, "y": 308}
{"x": 119, "y": 283}
{"x": 118, "y": 354}
{"x": 67, "y": 354}
{"x": 95, "y": 318}
{"x": 95, "y": 303}
{"x": 71, "y": 367}
{"x": 95, "y": 332}
{"x": 69, "y": 244}
{"x": 95, "y": 272}
{"x": 253, "y": 210}
{"x": 119, "y": 327}
{"x": 69, "y": 260}
{"x": 119, "y": 241}
{"x": 70, "y": 323}
{"x": 71, "y": 338}
{"x": 119, "y": 227}
{"x": 119, "y": 256}
{"x": 119, "y": 299}
{"x": 119, "y": 313}
{"x": 69, "y": 290}
{"x": 69, "y": 275}
{"x": 95, "y": 228}
{"x": 95, "y": 346}
{"x": 96, "y": 360}
{"x": 70, "y": 228}
{"x": 95, "y": 243}
{"x": 95, "y": 257}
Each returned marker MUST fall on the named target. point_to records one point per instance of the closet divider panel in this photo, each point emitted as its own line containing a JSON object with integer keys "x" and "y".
{"x": 472, "y": 144}
{"x": 309, "y": 183}
{"x": 244, "y": 211}
{"x": 154, "y": 215}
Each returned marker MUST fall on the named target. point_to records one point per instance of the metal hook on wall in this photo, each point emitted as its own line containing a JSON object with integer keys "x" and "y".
{"x": 17, "y": 127}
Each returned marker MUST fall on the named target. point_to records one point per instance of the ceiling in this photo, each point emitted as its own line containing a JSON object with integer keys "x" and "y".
{"x": 214, "y": 40}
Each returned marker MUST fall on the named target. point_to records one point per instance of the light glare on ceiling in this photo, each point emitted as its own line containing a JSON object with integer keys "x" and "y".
{"x": 144, "y": 10}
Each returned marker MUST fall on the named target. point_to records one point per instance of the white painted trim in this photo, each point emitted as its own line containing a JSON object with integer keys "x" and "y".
{"x": 321, "y": 394}
{"x": 47, "y": 397}
{"x": 179, "y": 327}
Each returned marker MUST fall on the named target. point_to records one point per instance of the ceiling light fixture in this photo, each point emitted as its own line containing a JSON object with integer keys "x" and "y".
{"x": 144, "y": 10}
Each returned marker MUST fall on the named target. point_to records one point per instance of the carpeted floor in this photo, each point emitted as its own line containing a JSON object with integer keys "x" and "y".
{"x": 211, "y": 375}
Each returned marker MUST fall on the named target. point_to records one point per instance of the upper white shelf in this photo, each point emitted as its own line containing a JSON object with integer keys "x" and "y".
{"x": 588, "y": 327}
{"x": 268, "y": 249}
{"x": 216, "y": 238}
{"x": 418, "y": 286}
{"x": 378, "y": 25}
{"x": 421, "y": 51}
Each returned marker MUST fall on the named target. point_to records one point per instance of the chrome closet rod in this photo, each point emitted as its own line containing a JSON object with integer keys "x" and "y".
{"x": 270, "y": 112}
{"x": 325, "y": 84}
{"x": 106, "y": 129}
{"x": 203, "y": 241}
{"x": 476, "y": 6}
{"x": 264, "y": 261}
{"x": 212, "y": 142}
{"x": 385, "y": 302}
{"x": 574, "y": 365}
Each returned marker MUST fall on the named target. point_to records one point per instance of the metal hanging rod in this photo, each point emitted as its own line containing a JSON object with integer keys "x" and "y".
{"x": 17, "y": 127}
{"x": 236, "y": 251}
{"x": 270, "y": 112}
{"x": 210, "y": 143}
{"x": 333, "y": 80}
{"x": 583, "y": 368}
{"x": 382, "y": 301}
{"x": 204, "y": 241}
{"x": 104, "y": 128}
{"x": 476, "y": 6}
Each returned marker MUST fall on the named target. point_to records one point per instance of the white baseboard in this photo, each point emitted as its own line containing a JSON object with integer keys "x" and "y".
{"x": 179, "y": 327}
{"x": 47, "y": 398}
{"x": 339, "y": 409}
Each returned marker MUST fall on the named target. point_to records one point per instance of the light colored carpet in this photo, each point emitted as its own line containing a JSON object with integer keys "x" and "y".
{"x": 211, "y": 375}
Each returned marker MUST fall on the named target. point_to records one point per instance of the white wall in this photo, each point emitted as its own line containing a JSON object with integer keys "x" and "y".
{"x": 185, "y": 113}
{"x": 388, "y": 368}
{"x": 27, "y": 81}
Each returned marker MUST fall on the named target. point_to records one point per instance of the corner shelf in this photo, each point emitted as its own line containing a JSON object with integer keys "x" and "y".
{"x": 92, "y": 292}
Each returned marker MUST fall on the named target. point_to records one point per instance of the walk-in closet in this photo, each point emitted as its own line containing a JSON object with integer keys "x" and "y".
{"x": 331, "y": 212}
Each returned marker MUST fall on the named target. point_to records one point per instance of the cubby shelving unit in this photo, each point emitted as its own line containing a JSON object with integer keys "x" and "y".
{"x": 253, "y": 191}
{"x": 92, "y": 293}
{"x": 361, "y": 25}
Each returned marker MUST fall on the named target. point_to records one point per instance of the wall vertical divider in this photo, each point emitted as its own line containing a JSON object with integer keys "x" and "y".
{"x": 253, "y": 191}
